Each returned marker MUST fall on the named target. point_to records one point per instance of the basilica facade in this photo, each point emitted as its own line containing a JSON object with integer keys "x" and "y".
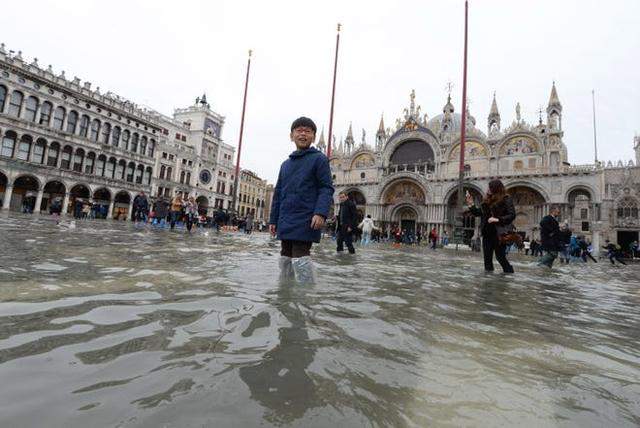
{"x": 409, "y": 176}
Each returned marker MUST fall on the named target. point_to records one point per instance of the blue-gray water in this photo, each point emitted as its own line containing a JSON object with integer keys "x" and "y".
{"x": 111, "y": 325}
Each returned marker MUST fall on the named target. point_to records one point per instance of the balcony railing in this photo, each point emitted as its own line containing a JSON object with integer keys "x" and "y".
{"x": 423, "y": 168}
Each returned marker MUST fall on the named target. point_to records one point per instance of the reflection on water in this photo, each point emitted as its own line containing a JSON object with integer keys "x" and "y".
{"x": 109, "y": 324}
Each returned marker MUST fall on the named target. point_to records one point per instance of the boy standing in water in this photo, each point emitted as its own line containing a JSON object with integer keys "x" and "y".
{"x": 301, "y": 201}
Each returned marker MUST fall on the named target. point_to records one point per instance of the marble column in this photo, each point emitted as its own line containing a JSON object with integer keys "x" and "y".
{"x": 595, "y": 241}
{"x": 130, "y": 210}
{"x": 110, "y": 211}
{"x": 36, "y": 208}
{"x": 6, "y": 199}
{"x": 65, "y": 204}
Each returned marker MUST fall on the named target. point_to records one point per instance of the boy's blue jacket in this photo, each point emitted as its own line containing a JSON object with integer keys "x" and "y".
{"x": 304, "y": 189}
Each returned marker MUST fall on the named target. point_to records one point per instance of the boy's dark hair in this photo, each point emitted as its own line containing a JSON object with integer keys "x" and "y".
{"x": 304, "y": 121}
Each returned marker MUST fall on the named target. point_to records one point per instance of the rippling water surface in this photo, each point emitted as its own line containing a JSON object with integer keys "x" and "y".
{"x": 111, "y": 325}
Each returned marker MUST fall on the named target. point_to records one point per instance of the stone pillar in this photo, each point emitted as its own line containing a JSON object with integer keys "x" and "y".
{"x": 36, "y": 208}
{"x": 110, "y": 211}
{"x": 595, "y": 242}
{"x": 130, "y": 210}
{"x": 65, "y": 204}
{"x": 45, "y": 154}
{"x": 6, "y": 199}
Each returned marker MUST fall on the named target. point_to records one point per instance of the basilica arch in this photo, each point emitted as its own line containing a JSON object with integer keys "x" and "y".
{"x": 406, "y": 217}
{"x": 471, "y": 224}
{"x": 411, "y": 148}
{"x": 530, "y": 204}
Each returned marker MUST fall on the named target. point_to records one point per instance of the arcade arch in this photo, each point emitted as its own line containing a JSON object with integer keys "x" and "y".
{"x": 25, "y": 192}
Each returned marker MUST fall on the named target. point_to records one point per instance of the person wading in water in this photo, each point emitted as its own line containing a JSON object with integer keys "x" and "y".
{"x": 550, "y": 237}
{"x": 496, "y": 214}
{"x": 347, "y": 219}
{"x": 301, "y": 201}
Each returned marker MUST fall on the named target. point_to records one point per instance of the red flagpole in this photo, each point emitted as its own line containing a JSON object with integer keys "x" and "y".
{"x": 463, "y": 123}
{"x": 244, "y": 106}
{"x": 333, "y": 93}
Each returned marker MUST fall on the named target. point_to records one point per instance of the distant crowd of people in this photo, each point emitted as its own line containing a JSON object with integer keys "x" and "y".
{"x": 184, "y": 211}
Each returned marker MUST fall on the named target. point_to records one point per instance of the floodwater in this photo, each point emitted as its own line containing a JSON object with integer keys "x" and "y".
{"x": 112, "y": 325}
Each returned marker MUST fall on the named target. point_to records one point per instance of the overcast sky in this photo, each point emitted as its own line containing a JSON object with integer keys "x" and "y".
{"x": 165, "y": 53}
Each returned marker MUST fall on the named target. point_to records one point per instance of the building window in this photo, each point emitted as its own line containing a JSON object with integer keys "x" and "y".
{"x": 125, "y": 139}
{"x": 181, "y": 177}
{"x": 163, "y": 169}
{"x": 24, "y": 147}
{"x": 130, "y": 169}
{"x": 8, "y": 145}
{"x": 31, "y": 108}
{"x": 134, "y": 142}
{"x": 95, "y": 130}
{"x": 120, "y": 170}
{"x": 78, "y": 157}
{"x": 627, "y": 208}
{"x": 147, "y": 175}
{"x": 45, "y": 113}
{"x": 54, "y": 151}
{"x": 152, "y": 147}
{"x": 15, "y": 103}
{"x": 72, "y": 121}
{"x": 169, "y": 173}
{"x": 143, "y": 145}
{"x": 3, "y": 97}
{"x": 38, "y": 152}
{"x": 115, "y": 136}
{"x": 139, "y": 173}
{"x": 111, "y": 168}
{"x": 58, "y": 118}
{"x": 84, "y": 125}
{"x": 584, "y": 213}
{"x": 164, "y": 155}
{"x": 65, "y": 162}
{"x": 189, "y": 178}
{"x": 88, "y": 163}
{"x": 106, "y": 133}
{"x": 100, "y": 165}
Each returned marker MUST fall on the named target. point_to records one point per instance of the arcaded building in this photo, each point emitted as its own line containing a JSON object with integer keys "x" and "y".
{"x": 408, "y": 177}
{"x": 64, "y": 139}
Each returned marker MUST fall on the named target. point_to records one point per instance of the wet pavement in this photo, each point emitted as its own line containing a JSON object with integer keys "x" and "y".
{"x": 111, "y": 325}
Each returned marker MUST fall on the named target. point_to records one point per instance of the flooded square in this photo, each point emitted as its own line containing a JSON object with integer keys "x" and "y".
{"x": 111, "y": 324}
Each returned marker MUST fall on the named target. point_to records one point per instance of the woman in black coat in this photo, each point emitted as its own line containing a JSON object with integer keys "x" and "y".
{"x": 496, "y": 214}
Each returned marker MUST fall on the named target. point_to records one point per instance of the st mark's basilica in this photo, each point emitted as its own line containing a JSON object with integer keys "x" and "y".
{"x": 408, "y": 177}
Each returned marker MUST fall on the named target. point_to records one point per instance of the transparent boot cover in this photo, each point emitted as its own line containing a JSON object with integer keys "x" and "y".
{"x": 303, "y": 270}
{"x": 286, "y": 270}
